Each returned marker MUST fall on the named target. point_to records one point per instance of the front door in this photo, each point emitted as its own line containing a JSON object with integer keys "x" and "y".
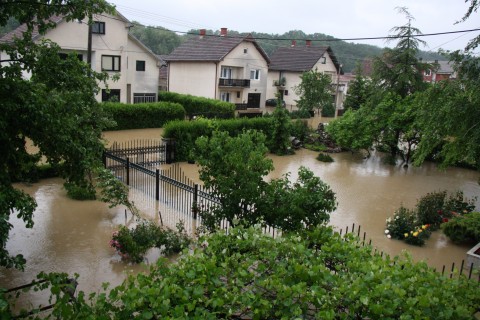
{"x": 254, "y": 100}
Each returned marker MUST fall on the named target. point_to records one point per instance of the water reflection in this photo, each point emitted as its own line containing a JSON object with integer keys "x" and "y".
{"x": 72, "y": 236}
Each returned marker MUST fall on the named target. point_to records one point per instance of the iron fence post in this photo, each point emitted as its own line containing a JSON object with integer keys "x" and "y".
{"x": 157, "y": 184}
{"x": 128, "y": 171}
{"x": 195, "y": 201}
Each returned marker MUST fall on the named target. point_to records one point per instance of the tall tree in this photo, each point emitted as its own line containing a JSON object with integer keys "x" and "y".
{"x": 399, "y": 69}
{"x": 388, "y": 112}
{"x": 56, "y": 110}
{"x": 358, "y": 90}
{"x": 449, "y": 116}
{"x": 315, "y": 90}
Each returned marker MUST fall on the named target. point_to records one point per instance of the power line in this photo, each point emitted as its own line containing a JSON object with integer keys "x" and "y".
{"x": 332, "y": 39}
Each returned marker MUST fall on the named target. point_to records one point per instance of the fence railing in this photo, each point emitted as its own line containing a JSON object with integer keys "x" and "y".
{"x": 178, "y": 194}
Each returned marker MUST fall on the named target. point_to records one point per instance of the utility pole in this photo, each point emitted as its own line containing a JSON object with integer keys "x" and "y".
{"x": 89, "y": 48}
{"x": 337, "y": 98}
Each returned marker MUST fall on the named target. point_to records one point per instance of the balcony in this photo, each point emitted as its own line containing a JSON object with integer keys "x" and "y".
{"x": 242, "y": 83}
{"x": 280, "y": 83}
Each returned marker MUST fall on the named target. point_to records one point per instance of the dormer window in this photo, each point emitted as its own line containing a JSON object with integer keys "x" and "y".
{"x": 98, "y": 27}
{"x": 323, "y": 60}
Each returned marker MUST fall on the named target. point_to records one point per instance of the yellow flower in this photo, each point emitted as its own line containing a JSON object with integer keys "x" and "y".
{"x": 415, "y": 234}
{"x": 406, "y": 235}
{"x": 424, "y": 227}
{"x": 420, "y": 230}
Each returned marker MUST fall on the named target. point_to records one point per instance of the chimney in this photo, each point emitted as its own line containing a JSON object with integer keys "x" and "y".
{"x": 294, "y": 43}
{"x": 308, "y": 43}
{"x": 223, "y": 32}
{"x": 203, "y": 32}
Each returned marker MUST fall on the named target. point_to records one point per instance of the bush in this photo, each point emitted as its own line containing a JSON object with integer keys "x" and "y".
{"x": 403, "y": 221}
{"x": 328, "y": 110}
{"x": 186, "y": 132}
{"x": 463, "y": 228}
{"x": 80, "y": 192}
{"x": 324, "y": 157}
{"x": 430, "y": 209}
{"x": 200, "y": 106}
{"x": 133, "y": 244}
{"x": 299, "y": 114}
{"x": 143, "y": 115}
{"x": 299, "y": 129}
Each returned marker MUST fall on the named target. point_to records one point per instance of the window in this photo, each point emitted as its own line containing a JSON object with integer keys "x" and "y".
{"x": 64, "y": 56}
{"x": 98, "y": 27}
{"x": 110, "y": 63}
{"x": 112, "y": 95}
{"x": 323, "y": 60}
{"x": 226, "y": 73}
{"x": 144, "y": 97}
{"x": 285, "y": 92}
{"x": 140, "y": 65}
{"x": 225, "y": 96}
{"x": 428, "y": 72}
{"x": 255, "y": 74}
{"x": 245, "y": 50}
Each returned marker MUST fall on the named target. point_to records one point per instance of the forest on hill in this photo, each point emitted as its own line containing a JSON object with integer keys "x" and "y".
{"x": 162, "y": 42}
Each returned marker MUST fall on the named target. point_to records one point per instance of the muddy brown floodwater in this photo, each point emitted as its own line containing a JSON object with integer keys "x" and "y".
{"x": 72, "y": 236}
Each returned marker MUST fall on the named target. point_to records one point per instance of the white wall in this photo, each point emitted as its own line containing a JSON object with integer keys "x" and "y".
{"x": 195, "y": 78}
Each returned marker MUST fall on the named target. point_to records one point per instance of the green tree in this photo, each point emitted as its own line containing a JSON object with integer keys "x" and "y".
{"x": 315, "y": 90}
{"x": 448, "y": 116}
{"x": 56, "y": 111}
{"x": 399, "y": 69}
{"x": 388, "y": 115}
{"x": 358, "y": 90}
{"x": 232, "y": 168}
{"x": 157, "y": 39}
{"x": 448, "y": 111}
{"x": 280, "y": 142}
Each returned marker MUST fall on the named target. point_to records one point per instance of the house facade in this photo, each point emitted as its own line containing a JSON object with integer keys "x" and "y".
{"x": 441, "y": 70}
{"x": 113, "y": 50}
{"x": 227, "y": 68}
{"x": 287, "y": 64}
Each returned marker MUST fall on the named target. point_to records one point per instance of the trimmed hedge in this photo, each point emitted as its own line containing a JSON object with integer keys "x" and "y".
{"x": 200, "y": 106}
{"x": 143, "y": 115}
{"x": 186, "y": 132}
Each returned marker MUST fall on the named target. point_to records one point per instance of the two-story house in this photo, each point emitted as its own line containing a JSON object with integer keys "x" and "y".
{"x": 227, "y": 68}
{"x": 113, "y": 50}
{"x": 287, "y": 64}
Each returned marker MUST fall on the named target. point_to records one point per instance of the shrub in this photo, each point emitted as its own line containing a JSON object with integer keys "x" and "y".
{"x": 430, "y": 209}
{"x": 418, "y": 235}
{"x": 200, "y": 106}
{"x": 79, "y": 192}
{"x": 328, "y": 110}
{"x": 315, "y": 147}
{"x": 324, "y": 157}
{"x": 143, "y": 115}
{"x": 132, "y": 244}
{"x": 402, "y": 223}
{"x": 186, "y": 132}
{"x": 299, "y": 114}
{"x": 299, "y": 129}
{"x": 463, "y": 228}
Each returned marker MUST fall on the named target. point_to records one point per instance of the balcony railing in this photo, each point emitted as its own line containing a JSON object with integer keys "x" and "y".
{"x": 244, "y": 83}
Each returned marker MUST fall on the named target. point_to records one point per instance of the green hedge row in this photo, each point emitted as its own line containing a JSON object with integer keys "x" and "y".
{"x": 186, "y": 132}
{"x": 143, "y": 115}
{"x": 200, "y": 106}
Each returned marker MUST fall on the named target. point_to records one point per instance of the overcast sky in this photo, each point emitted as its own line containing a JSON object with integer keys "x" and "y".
{"x": 342, "y": 19}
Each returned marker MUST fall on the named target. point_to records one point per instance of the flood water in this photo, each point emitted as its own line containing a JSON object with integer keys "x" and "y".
{"x": 72, "y": 236}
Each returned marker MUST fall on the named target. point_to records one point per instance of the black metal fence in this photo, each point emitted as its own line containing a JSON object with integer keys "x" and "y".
{"x": 141, "y": 152}
{"x": 175, "y": 194}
